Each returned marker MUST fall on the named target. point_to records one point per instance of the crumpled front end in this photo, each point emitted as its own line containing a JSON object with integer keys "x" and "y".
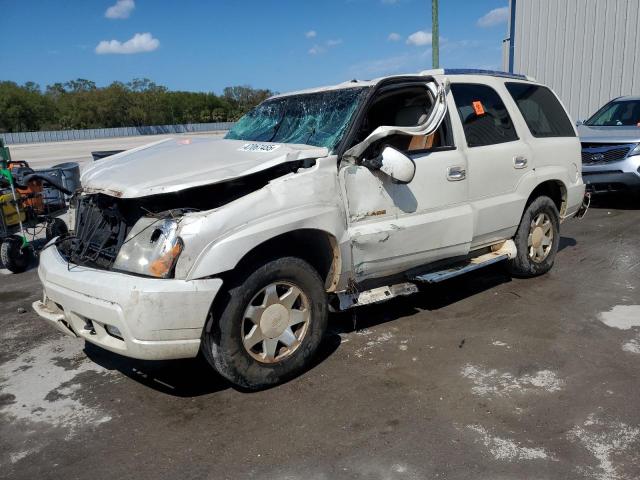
{"x": 138, "y": 317}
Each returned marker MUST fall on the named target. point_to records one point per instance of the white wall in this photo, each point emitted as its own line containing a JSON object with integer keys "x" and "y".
{"x": 588, "y": 51}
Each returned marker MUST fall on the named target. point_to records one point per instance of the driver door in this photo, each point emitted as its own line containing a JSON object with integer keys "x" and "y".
{"x": 396, "y": 227}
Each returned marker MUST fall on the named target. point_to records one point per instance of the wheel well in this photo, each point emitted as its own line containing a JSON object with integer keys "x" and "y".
{"x": 555, "y": 190}
{"x": 316, "y": 247}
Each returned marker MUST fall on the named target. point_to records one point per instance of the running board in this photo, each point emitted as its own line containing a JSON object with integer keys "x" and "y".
{"x": 500, "y": 252}
{"x": 461, "y": 268}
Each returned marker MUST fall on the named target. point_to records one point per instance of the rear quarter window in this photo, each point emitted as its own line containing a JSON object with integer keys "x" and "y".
{"x": 541, "y": 110}
{"x": 484, "y": 117}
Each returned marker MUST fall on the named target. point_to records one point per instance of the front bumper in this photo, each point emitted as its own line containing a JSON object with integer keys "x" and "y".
{"x": 157, "y": 319}
{"x": 614, "y": 176}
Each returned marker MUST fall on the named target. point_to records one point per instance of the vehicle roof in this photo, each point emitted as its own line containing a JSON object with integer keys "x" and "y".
{"x": 452, "y": 73}
{"x": 627, "y": 97}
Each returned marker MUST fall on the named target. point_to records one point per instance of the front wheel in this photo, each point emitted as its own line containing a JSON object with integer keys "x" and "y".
{"x": 536, "y": 239}
{"x": 271, "y": 325}
{"x": 15, "y": 256}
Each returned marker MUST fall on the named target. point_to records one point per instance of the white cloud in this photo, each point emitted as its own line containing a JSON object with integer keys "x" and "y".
{"x": 311, "y": 34}
{"x": 394, "y": 37}
{"x": 495, "y": 17}
{"x": 122, "y": 9}
{"x": 141, "y": 42}
{"x": 419, "y": 38}
{"x": 317, "y": 49}
{"x": 408, "y": 62}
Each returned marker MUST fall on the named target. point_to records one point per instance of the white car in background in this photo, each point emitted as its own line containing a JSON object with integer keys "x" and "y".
{"x": 322, "y": 199}
{"x": 611, "y": 147}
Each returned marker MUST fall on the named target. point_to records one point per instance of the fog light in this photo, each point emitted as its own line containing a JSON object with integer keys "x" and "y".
{"x": 113, "y": 331}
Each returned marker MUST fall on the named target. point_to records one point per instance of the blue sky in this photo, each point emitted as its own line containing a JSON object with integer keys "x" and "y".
{"x": 207, "y": 45}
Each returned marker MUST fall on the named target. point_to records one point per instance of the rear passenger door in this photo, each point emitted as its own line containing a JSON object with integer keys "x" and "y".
{"x": 497, "y": 161}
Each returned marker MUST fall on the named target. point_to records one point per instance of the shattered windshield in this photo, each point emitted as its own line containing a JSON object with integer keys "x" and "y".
{"x": 616, "y": 114}
{"x": 317, "y": 119}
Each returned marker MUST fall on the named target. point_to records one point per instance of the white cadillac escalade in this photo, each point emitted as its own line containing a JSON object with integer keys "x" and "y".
{"x": 321, "y": 199}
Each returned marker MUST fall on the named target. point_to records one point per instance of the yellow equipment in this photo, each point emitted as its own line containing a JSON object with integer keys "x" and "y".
{"x": 9, "y": 210}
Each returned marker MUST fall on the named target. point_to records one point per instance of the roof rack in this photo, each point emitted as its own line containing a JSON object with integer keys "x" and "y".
{"x": 493, "y": 73}
{"x": 476, "y": 71}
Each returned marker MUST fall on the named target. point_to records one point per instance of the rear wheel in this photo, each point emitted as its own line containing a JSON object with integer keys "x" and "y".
{"x": 271, "y": 325}
{"x": 15, "y": 257}
{"x": 536, "y": 239}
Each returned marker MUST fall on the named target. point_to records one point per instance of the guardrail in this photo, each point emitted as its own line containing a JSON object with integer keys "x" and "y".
{"x": 97, "y": 133}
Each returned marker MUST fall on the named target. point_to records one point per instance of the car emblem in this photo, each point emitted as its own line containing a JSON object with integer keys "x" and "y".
{"x": 596, "y": 157}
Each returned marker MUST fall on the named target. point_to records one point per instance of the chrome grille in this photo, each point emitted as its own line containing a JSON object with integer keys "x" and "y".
{"x": 599, "y": 153}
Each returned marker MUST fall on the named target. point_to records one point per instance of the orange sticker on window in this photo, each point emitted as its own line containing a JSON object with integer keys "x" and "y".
{"x": 477, "y": 107}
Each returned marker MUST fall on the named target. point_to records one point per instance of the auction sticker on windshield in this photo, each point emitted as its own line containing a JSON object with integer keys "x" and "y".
{"x": 258, "y": 147}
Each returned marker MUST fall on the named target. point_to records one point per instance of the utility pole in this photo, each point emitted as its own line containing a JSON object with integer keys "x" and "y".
{"x": 435, "y": 35}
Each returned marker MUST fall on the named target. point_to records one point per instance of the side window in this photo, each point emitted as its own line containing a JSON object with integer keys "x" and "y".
{"x": 541, "y": 110}
{"x": 484, "y": 117}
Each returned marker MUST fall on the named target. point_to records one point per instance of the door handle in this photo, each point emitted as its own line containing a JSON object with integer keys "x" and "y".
{"x": 455, "y": 174}
{"x": 520, "y": 161}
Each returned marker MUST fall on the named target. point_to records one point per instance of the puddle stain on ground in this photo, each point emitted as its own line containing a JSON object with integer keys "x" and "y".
{"x": 604, "y": 440}
{"x": 44, "y": 388}
{"x": 491, "y": 382}
{"x": 506, "y": 449}
{"x": 623, "y": 317}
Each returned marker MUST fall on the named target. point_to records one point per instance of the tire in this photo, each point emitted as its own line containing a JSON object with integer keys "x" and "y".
{"x": 536, "y": 254}
{"x": 56, "y": 228}
{"x": 15, "y": 258}
{"x": 253, "y": 312}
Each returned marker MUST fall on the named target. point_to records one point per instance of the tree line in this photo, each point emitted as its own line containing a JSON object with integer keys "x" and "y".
{"x": 79, "y": 104}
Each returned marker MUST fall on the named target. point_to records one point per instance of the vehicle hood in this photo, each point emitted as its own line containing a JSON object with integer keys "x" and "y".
{"x": 179, "y": 163}
{"x": 609, "y": 134}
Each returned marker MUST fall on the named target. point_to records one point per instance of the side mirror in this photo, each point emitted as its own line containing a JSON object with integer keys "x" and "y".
{"x": 579, "y": 122}
{"x": 393, "y": 163}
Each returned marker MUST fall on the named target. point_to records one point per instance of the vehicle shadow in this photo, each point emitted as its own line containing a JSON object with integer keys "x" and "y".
{"x": 617, "y": 201}
{"x": 566, "y": 242}
{"x": 430, "y": 297}
{"x": 180, "y": 378}
{"x": 186, "y": 378}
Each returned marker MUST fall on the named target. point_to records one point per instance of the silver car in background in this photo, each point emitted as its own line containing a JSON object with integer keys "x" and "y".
{"x": 611, "y": 147}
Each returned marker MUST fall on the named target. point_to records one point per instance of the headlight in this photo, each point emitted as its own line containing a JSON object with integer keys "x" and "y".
{"x": 152, "y": 248}
{"x": 635, "y": 151}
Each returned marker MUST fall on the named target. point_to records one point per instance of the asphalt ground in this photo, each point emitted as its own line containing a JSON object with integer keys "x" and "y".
{"x": 43, "y": 155}
{"x": 481, "y": 377}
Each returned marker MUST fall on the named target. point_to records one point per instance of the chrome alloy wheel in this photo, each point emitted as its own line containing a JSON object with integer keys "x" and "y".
{"x": 275, "y": 322}
{"x": 540, "y": 240}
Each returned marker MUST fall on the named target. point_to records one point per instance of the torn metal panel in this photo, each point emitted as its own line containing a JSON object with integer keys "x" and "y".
{"x": 437, "y": 114}
{"x": 216, "y": 240}
{"x": 375, "y": 295}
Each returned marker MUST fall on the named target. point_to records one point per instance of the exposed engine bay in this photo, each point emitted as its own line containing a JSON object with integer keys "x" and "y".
{"x": 104, "y": 223}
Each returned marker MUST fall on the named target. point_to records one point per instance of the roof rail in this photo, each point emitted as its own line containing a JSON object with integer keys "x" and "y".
{"x": 493, "y": 73}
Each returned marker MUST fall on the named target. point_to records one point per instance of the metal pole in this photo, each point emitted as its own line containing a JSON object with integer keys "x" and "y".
{"x": 435, "y": 35}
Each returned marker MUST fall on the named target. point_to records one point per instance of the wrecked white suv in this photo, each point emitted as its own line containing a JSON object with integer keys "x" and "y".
{"x": 316, "y": 200}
